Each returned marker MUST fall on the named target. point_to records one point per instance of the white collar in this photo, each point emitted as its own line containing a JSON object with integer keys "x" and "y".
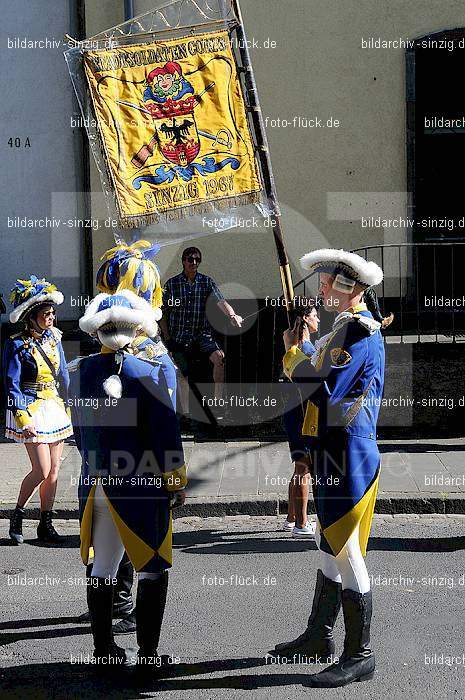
{"x": 339, "y": 322}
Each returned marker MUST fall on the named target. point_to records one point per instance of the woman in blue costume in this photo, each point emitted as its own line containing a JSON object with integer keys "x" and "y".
{"x": 132, "y": 464}
{"x": 36, "y": 382}
{"x": 342, "y": 385}
{"x": 299, "y": 445}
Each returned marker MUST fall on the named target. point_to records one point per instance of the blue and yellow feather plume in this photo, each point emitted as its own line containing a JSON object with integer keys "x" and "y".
{"x": 131, "y": 267}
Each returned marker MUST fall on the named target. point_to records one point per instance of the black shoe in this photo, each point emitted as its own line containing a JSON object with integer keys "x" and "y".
{"x": 126, "y": 625}
{"x": 16, "y": 526}
{"x": 150, "y": 608}
{"x": 108, "y": 655}
{"x": 357, "y": 662}
{"x": 317, "y": 641}
{"x": 45, "y": 530}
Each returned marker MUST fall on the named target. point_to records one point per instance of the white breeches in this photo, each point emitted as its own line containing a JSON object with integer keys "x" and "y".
{"x": 348, "y": 567}
{"x": 106, "y": 541}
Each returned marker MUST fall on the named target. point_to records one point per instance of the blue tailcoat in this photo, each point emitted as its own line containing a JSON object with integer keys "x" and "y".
{"x": 343, "y": 392}
{"x": 134, "y": 445}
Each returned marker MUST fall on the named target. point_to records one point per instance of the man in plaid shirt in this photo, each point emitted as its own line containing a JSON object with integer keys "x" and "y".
{"x": 185, "y": 325}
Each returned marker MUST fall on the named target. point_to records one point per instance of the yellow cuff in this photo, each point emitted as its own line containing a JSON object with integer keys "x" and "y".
{"x": 310, "y": 424}
{"x": 293, "y": 357}
{"x": 176, "y": 480}
{"x": 22, "y": 419}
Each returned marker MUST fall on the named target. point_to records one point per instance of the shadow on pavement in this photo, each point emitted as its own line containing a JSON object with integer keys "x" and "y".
{"x": 69, "y": 541}
{"x": 37, "y": 622}
{"x": 11, "y": 637}
{"x": 423, "y": 447}
{"x": 226, "y": 543}
{"x": 75, "y": 681}
{"x": 416, "y": 544}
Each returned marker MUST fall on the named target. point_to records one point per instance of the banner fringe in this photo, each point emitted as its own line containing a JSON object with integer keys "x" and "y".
{"x": 222, "y": 205}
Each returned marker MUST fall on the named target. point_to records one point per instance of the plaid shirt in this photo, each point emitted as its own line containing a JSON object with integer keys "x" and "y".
{"x": 184, "y": 306}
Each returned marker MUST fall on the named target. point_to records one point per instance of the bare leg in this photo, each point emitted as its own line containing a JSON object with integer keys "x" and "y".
{"x": 49, "y": 486}
{"x": 291, "y": 501}
{"x": 300, "y": 490}
{"x": 183, "y": 393}
{"x": 217, "y": 359}
{"x": 39, "y": 454}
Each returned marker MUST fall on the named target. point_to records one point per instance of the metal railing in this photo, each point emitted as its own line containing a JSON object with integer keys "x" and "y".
{"x": 423, "y": 286}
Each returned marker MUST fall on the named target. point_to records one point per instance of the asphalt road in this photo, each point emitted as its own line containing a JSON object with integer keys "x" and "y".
{"x": 220, "y": 628}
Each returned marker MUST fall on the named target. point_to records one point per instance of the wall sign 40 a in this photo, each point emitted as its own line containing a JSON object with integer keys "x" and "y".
{"x": 18, "y": 142}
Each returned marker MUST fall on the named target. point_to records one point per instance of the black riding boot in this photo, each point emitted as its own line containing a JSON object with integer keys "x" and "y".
{"x": 122, "y": 601}
{"x": 16, "y": 525}
{"x": 100, "y": 601}
{"x": 357, "y": 662}
{"x": 85, "y": 616}
{"x": 150, "y": 608}
{"x": 317, "y": 640}
{"x": 122, "y": 606}
{"x": 45, "y": 530}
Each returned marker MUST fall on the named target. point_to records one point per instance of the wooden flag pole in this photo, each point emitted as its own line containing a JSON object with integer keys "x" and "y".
{"x": 263, "y": 153}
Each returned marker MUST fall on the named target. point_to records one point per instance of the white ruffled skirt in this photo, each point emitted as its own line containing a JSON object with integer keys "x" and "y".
{"x": 50, "y": 420}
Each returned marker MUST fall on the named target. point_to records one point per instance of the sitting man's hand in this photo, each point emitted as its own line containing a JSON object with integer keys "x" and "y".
{"x": 236, "y": 321}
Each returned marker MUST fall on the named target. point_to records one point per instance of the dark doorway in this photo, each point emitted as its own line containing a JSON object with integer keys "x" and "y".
{"x": 436, "y": 135}
{"x": 436, "y": 174}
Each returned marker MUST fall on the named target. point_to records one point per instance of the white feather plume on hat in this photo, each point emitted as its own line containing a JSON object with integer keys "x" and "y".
{"x": 131, "y": 312}
{"x": 351, "y": 265}
{"x": 114, "y": 319}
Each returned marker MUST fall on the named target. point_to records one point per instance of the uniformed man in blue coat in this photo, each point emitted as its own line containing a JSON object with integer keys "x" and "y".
{"x": 132, "y": 462}
{"x": 134, "y": 267}
{"x": 343, "y": 385}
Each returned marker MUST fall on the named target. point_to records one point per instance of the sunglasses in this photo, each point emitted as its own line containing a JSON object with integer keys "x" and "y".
{"x": 192, "y": 259}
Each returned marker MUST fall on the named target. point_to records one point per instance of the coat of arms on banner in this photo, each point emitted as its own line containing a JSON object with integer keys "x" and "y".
{"x": 173, "y": 125}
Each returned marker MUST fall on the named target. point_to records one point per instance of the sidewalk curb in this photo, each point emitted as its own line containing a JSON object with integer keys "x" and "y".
{"x": 275, "y": 504}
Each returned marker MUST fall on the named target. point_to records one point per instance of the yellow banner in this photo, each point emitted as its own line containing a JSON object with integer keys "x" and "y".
{"x": 173, "y": 124}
